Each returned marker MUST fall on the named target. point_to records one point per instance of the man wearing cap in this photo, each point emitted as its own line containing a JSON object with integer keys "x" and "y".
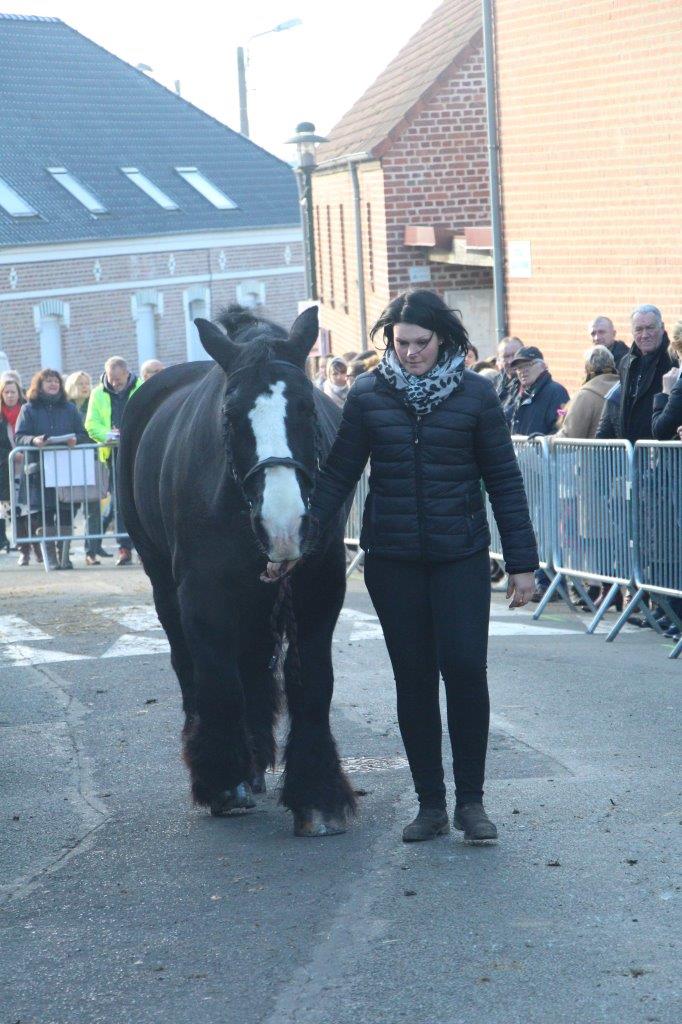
{"x": 540, "y": 401}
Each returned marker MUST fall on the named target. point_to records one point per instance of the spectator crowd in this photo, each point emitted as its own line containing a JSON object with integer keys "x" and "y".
{"x": 630, "y": 390}
{"x": 63, "y": 412}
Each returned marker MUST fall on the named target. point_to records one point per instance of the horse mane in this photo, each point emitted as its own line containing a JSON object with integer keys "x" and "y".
{"x": 243, "y": 326}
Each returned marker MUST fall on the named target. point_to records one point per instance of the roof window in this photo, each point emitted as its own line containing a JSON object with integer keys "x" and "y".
{"x": 84, "y": 196}
{"x": 206, "y": 188}
{"x": 149, "y": 188}
{"x": 12, "y": 202}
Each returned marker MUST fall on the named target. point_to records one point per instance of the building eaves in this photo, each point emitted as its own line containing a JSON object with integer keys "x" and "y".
{"x": 386, "y": 107}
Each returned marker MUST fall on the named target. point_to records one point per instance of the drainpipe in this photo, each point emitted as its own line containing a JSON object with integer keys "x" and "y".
{"x": 362, "y": 305}
{"x": 493, "y": 166}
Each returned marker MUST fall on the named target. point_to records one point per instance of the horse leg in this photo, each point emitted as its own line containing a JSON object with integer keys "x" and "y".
{"x": 168, "y": 611}
{"x": 315, "y": 788}
{"x": 217, "y": 746}
{"x": 262, "y": 705}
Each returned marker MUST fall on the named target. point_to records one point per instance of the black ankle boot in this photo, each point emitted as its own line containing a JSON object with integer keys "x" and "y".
{"x": 472, "y": 820}
{"x": 429, "y": 823}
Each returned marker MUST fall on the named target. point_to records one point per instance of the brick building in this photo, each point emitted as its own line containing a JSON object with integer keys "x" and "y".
{"x": 125, "y": 211}
{"x": 589, "y": 100}
{"x": 400, "y": 193}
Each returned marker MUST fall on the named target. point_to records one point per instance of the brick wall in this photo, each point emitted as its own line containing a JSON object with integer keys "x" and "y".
{"x": 437, "y": 173}
{"x": 589, "y": 98}
{"x": 101, "y": 322}
{"x": 434, "y": 172}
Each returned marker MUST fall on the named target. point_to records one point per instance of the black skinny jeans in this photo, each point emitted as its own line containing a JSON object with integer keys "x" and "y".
{"x": 435, "y": 621}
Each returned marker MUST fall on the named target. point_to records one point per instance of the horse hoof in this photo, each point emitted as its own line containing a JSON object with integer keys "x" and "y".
{"x": 258, "y": 783}
{"x": 312, "y": 824}
{"x": 238, "y": 799}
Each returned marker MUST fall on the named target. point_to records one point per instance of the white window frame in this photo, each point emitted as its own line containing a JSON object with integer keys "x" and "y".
{"x": 14, "y": 204}
{"x": 45, "y": 315}
{"x": 201, "y": 184}
{"x": 141, "y": 181}
{"x": 194, "y": 348}
{"x": 74, "y": 187}
{"x": 146, "y": 305}
{"x": 247, "y": 288}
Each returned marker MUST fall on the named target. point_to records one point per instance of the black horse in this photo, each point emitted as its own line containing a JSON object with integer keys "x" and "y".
{"x": 216, "y": 468}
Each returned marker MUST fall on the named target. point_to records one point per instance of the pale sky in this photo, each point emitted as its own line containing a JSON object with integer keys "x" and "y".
{"x": 310, "y": 73}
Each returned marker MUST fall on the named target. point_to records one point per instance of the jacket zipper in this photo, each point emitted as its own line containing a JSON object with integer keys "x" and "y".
{"x": 418, "y": 481}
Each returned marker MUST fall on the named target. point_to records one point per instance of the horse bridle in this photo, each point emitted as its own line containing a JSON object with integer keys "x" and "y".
{"x": 276, "y": 460}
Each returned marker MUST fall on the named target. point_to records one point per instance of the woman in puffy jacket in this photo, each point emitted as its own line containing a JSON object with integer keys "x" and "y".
{"x": 46, "y": 415}
{"x": 432, "y": 431}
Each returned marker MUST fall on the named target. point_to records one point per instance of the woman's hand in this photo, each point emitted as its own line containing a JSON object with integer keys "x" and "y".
{"x": 275, "y": 570}
{"x": 521, "y": 588}
{"x": 71, "y": 442}
{"x": 670, "y": 379}
{"x": 39, "y": 441}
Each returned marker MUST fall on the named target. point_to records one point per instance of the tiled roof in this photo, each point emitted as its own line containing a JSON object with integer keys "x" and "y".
{"x": 66, "y": 102}
{"x": 387, "y": 102}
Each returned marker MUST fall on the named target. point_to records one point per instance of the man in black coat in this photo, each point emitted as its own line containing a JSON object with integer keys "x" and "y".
{"x": 602, "y": 332}
{"x": 641, "y": 378}
{"x": 540, "y": 400}
{"x": 507, "y": 384}
{"x": 629, "y": 406}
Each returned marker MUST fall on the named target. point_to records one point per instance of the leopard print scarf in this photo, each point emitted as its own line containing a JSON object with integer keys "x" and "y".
{"x": 423, "y": 392}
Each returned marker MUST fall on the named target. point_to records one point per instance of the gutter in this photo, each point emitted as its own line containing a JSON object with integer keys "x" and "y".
{"x": 359, "y": 260}
{"x": 494, "y": 170}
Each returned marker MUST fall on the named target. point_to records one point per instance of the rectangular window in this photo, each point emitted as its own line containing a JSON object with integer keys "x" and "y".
{"x": 344, "y": 267}
{"x": 84, "y": 196}
{"x": 149, "y": 188}
{"x": 330, "y": 257}
{"x": 370, "y": 247}
{"x": 206, "y": 188}
{"x": 12, "y": 202}
{"x": 318, "y": 252}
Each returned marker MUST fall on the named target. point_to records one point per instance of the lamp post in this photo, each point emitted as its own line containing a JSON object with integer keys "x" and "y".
{"x": 305, "y": 141}
{"x": 242, "y": 62}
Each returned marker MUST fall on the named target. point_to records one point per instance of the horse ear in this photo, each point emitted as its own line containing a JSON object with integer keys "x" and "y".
{"x": 303, "y": 334}
{"x": 218, "y": 344}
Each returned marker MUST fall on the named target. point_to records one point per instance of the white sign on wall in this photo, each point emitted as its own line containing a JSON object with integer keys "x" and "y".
{"x": 519, "y": 261}
{"x": 420, "y": 275}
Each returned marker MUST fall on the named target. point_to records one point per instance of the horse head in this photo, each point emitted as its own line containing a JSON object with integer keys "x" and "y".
{"x": 271, "y": 426}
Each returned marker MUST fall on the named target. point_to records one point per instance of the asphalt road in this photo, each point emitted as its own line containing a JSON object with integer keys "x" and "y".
{"x": 119, "y": 901}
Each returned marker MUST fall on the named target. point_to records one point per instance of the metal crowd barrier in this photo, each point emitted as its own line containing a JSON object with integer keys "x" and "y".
{"x": 657, "y": 520}
{"x": 592, "y": 524}
{"x": 354, "y": 522}
{"x": 51, "y": 485}
{"x": 605, "y": 512}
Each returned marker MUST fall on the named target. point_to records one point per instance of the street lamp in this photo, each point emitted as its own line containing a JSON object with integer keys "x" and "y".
{"x": 306, "y": 141}
{"x": 243, "y": 60}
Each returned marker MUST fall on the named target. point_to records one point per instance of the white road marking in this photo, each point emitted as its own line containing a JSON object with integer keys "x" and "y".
{"x": 137, "y": 617}
{"x": 130, "y": 645}
{"x": 528, "y": 629}
{"x": 15, "y": 629}
{"x": 363, "y": 626}
{"x": 20, "y": 654}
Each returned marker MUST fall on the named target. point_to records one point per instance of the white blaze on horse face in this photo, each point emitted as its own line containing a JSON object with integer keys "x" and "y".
{"x": 283, "y": 505}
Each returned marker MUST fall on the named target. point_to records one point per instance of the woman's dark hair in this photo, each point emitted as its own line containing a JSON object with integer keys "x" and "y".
{"x": 427, "y": 310}
{"x": 34, "y": 389}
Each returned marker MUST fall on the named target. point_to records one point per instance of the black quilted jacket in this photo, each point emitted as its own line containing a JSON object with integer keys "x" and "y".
{"x": 425, "y": 500}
